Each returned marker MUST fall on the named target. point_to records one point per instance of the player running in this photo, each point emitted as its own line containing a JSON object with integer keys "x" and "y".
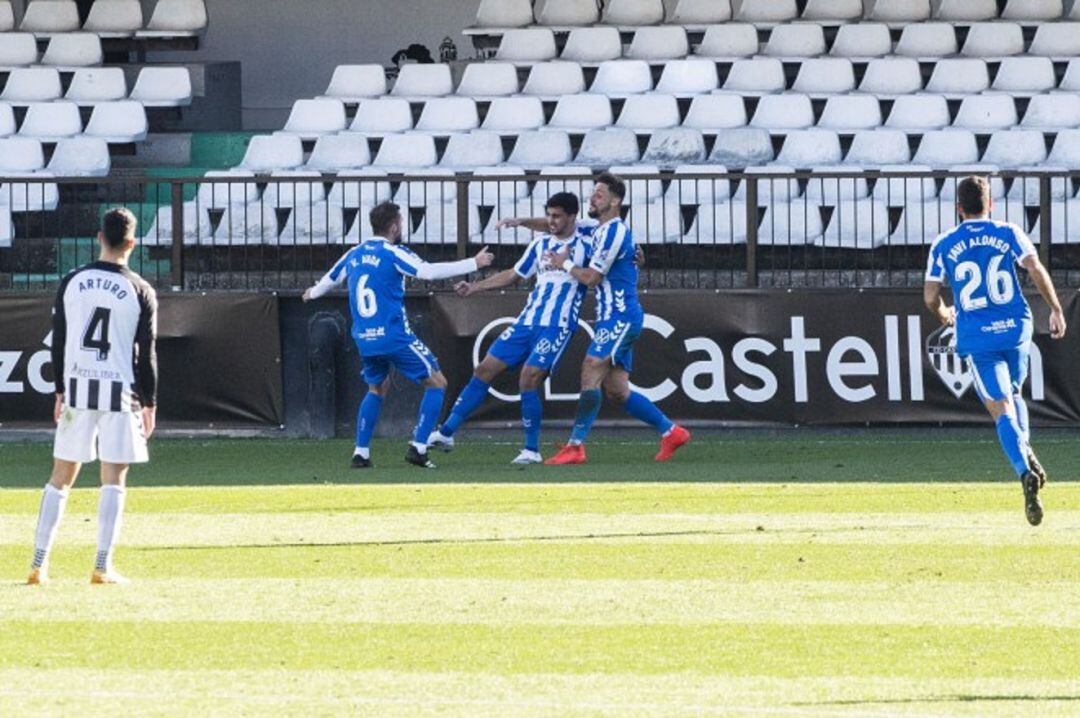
{"x": 538, "y": 338}
{"x": 375, "y": 271}
{"x": 106, "y": 389}
{"x": 613, "y": 271}
{"x": 993, "y": 320}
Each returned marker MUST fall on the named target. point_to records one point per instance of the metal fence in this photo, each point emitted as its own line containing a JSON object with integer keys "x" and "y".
{"x": 700, "y": 228}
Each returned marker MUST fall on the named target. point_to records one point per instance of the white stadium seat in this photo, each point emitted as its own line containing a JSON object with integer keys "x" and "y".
{"x": 538, "y": 149}
{"x": 676, "y": 146}
{"x": 504, "y": 13}
{"x": 118, "y": 122}
{"x": 298, "y": 188}
{"x": 1071, "y": 81}
{"x": 555, "y": 79}
{"x": 833, "y": 11}
{"x": 756, "y": 76}
{"x": 475, "y": 149}
{"x": 765, "y": 12}
{"x": 50, "y": 121}
{"x": 353, "y": 83}
{"x": 443, "y": 115}
{"x": 864, "y": 40}
{"x": 966, "y": 10}
{"x": 899, "y": 191}
{"x": 18, "y": 49}
{"x": 1033, "y": 10}
{"x": 649, "y": 112}
{"x": 97, "y": 84}
{"x": 526, "y": 46}
{"x": 994, "y": 39}
{"x": 80, "y": 157}
{"x": 850, "y": 112}
{"x": 861, "y": 224}
{"x": 7, "y": 16}
{"x": 73, "y": 49}
{"x": 825, "y": 76}
{"x": 591, "y": 45}
{"x": 7, "y": 120}
{"x": 997, "y": 185}
{"x": 488, "y": 79}
{"x": 1013, "y": 149}
{"x": 717, "y": 225}
{"x": 986, "y": 112}
{"x": 805, "y": 149}
{"x": 713, "y": 188}
{"x": 921, "y": 222}
{"x": 1025, "y": 76}
{"x": 687, "y": 78}
{"x": 273, "y": 152}
{"x": 711, "y": 113}
{"x": 218, "y": 195}
{"x": 639, "y": 190}
{"x": 941, "y": 149}
{"x": 580, "y": 113}
{"x": 507, "y": 236}
{"x": 50, "y": 16}
{"x": 309, "y": 119}
{"x": 568, "y": 13}
{"x": 1052, "y": 112}
{"x": 899, "y": 11}
{"x": 956, "y": 77}
{"x": 196, "y": 223}
{"x": 382, "y": 116}
{"x": 796, "y": 40}
{"x": 831, "y": 190}
{"x": 20, "y": 154}
{"x": 927, "y": 40}
{"x": 492, "y": 193}
{"x": 254, "y": 223}
{"x": 1056, "y": 40}
{"x": 366, "y": 187}
{"x": 423, "y": 81}
{"x": 654, "y": 222}
{"x": 315, "y": 223}
{"x": 891, "y": 77}
{"x": 440, "y": 225}
{"x": 580, "y": 182}
{"x": 339, "y": 153}
{"x": 1064, "y": 223}
{"x": 744, "y": 147}
{"x": 633, "y": 12}
{"x": 30, "y": 192}
{"x": 1073, "y": 13}
{"x": 790, "y": 225}
{"x": 406, "y": 152}
{"x": 729, "y": 42}
{"x": 619, "y": 78}
{"x": 176, "y": 18}
{"x": 771, "y": 187}
{"x": 662, "y": 42}
{"x": 603, "y": 148}
{"x": 114, "y": 18}
{"x": 514, "y": 114}
{"x": 421, "y": 192}
{"x": 163, "y": 87}
{"x": 1066, "y": 149}
{"x": 783, "y": 112}
{"x": 919, "y": 113}
{"x": 872, "y": 148}
{"x": 700, "y": 12}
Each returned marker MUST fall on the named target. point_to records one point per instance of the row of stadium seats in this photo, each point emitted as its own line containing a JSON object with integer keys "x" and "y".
{"x": 108, "y": 18}
{"x": 67, "y": 52}
{"x": 117, "y": 122}
{"x": 154, "y": 86}
{"x": 81, "y": 156}
{"x": 498, "y": 14}
{"x": 656, "y": 44}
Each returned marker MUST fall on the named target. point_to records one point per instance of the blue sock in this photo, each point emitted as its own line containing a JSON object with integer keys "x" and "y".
{"x": 642, "y": 409}
{"x": 366, "y": 419}
{"x": 587, "y": 409}
{"x": 1022, "y": 417}
{"x": 471, "y": 397}
{"x": 430, "y": 407}
{"x": 1012, "y": 441}
{"x": 532, "y": 414}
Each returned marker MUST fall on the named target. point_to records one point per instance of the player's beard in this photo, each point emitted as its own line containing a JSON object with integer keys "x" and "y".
{"x": 594, "y": 213}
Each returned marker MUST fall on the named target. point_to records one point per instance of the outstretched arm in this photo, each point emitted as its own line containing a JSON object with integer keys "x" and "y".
{"x": 936, "y": 303}
{"x": 1045, "y": 285}
{"x": 331, "y": 279}
{"x": 503, "y": 279}
{"x": 536, "y": 224}
{"x": 445, "y": 270}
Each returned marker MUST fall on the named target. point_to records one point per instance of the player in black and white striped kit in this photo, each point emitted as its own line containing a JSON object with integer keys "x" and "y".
{"x": 103, "y": 353}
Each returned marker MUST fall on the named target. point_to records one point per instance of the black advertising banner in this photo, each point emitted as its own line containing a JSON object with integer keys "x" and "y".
{"x": 219, "y": 359}
{"x": 821, "y": 357}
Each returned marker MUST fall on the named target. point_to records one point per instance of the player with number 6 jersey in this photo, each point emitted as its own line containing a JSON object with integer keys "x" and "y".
{"x": 375, "y": 272}
{"x": 993, "y": 320}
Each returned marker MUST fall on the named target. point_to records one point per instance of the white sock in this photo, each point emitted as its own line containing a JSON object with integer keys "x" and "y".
{"x": 422, "y": 448}
{"x": 53, "y": 501}
{"x": 362, "y": 453}
{"x": 110, "y": 513}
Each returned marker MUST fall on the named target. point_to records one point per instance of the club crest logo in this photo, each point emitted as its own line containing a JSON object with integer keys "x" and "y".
{"x": 543, "y": 346}
{"x": 950, "y": 367}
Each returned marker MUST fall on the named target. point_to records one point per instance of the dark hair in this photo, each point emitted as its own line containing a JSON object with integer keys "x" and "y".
{"x": 118, "y": 226}
{"x": 973, "y": 195}
{"x": 566, "y": 201}
{"x": 382, "y": 216}
{"x": 616, "y": 185}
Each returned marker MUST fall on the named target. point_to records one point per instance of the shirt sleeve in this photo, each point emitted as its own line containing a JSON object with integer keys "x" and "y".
{"x": 146, "y": 372}
{"x": 935, "y": 267}
{"x": 406, "y": 261}
{"x": 526, "y": 266}
{"x": 59, "y": 335}
{"x": 606, "y": 247}
{"x": 1022, "y": 246}
{"x": 333, "y": 278}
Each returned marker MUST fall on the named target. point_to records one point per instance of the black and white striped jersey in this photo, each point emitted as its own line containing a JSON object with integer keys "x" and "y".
{"x": 104, "y": 331}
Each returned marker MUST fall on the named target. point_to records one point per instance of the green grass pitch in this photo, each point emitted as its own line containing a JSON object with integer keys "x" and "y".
{"x": 845, "y": 573}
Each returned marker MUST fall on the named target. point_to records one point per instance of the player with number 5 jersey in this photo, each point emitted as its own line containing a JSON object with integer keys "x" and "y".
{"x": 993, "y": 320}
{"x": 375, "y": 272}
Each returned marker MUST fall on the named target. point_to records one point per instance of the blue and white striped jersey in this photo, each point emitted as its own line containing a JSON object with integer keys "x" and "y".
{"x": 613, "y": 256}
{"x": 556, "y": 299}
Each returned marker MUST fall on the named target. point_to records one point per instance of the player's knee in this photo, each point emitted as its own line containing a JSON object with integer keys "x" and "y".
{"x": 1000, "y": 408}
{"x": 485, "y": 372}
{"x": 435, "y": 381}
{"x": 63, "y": 474}
{"x": 619, "y": 394}
{"x": 380, "y": 389}
{"x": 531, "y": 378}
{"x": 592, "y": 372}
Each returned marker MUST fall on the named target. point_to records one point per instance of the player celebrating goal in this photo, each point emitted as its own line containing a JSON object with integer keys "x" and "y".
{"x": 542, "y": 331}
{"x": 106, "y": 388}
{"x": 375, "y": 271}
{"x": 613, "y": 271}
{"x": 993, "y": 320}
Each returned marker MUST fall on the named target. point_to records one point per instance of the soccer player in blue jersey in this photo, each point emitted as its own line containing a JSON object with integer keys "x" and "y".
{"x": 613, "y": 271}
{"x": 993, "y": 320}
{"x": 537, "y": 339}
{"x": 375, "y": 271}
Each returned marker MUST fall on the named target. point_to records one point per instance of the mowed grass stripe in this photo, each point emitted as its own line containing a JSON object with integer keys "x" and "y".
{"x": 545, "y": 498}
{"x": 736, "y": 650}
{"x": 560, "y": 602}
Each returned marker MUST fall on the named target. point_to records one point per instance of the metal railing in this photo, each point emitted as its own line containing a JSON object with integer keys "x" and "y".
{"x": 700, "y": 229}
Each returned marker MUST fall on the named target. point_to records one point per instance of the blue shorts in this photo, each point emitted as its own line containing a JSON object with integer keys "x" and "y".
{"x": 614, "y": 339}
{"x": 415, "y": 362}
{"x": 540, "y": 347}
{"x": 999, "y": 374}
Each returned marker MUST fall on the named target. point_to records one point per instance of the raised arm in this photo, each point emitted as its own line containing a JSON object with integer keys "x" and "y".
{"x": 445, "y": 270}
{"x": 501, "y": 280}
{"x": 536, "y": 224}
{"x": 1045, "y": 285}
{"x": 330, "y": 280}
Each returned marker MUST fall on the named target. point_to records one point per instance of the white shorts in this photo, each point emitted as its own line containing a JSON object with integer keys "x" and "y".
{"x": 85, "y": 434}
